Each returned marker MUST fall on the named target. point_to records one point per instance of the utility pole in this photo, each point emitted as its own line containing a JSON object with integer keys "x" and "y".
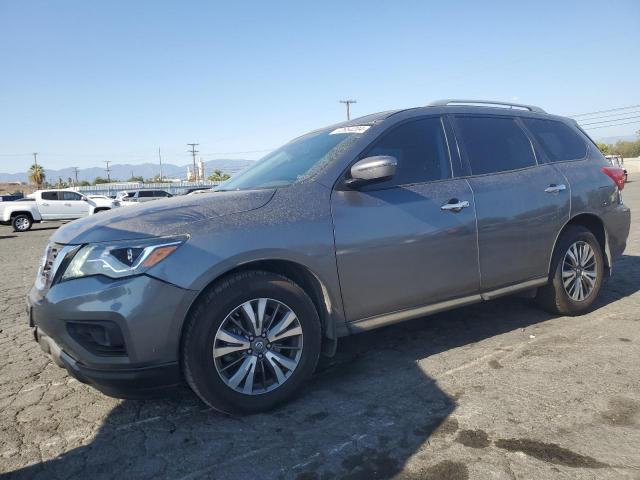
{"x": 108, "y": 170}
{"x": 75, "y": 170}
{"x": 160, "y": 158}
{"x": 193, "y": 152}
{"x": 348, "y": 104}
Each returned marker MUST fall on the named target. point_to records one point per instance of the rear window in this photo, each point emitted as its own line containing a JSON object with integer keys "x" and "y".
{"x": 494, "y": 144}
{"x": 557, "y": 140}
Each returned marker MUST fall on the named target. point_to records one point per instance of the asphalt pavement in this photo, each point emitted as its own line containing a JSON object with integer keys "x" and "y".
{"x": 500, "y": 390}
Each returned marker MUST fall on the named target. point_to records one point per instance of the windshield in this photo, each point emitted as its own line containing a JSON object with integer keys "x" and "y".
{"x": 295, "y": 161}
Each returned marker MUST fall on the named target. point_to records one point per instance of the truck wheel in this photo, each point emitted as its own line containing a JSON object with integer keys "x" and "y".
{"x": 21, "y": 222}
{"x": 577, "y": 272}
{"x": 250, "y": 342}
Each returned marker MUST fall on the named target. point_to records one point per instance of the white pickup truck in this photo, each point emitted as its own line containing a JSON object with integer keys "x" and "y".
{"x": 44, "y": 205}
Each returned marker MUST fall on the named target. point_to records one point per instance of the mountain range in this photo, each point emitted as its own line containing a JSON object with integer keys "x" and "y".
{"x": 125, "y": 171}
{"x": 611, "y": 140}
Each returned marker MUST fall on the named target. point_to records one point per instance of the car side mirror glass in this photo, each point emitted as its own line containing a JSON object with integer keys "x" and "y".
{"x": 373, "y": 169}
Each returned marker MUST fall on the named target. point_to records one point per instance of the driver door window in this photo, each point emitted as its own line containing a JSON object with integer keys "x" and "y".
{"x": 420, "y": 147}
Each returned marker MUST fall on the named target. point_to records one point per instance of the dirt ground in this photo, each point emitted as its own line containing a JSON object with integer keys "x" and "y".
{"x": 500, "y": 390}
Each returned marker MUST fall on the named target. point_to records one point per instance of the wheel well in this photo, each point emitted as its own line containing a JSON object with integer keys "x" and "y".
{"x": 100, "y": 209}
{"x": 298, "y": 274}
{"x": 595, "y": 226}
{"x": 28, "y": 214}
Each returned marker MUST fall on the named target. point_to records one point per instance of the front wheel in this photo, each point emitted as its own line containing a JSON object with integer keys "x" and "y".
{"x": 21, "y": 223}
{"x": 250, "y": 342}
{"x": 577, "y": 273}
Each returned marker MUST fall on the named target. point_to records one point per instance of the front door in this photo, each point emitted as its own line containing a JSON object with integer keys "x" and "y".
{"x": 74, "y": 206}
{"x": 403, "y": 243}
{"x": 521, "y": 205}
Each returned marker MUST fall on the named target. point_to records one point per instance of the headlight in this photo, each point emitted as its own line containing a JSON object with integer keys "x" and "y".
{"x": 120, "y": 259}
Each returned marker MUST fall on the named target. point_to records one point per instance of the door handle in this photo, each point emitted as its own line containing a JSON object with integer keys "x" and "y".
{"x": 67, "y": 205}
{"x": 45, "y": 204}
{"x": 553, "y": 188}
{"x": 455, "y": 205}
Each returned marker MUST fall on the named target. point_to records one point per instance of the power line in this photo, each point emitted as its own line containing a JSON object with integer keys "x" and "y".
{"x": 614, "y": 125}
{"x": 238, "y": 153}
{"x": 130, "y": 155}
{"x": 348, "y": 105}
{"x": 609, "y": 121}
{"x": 603, "y": 111}
{"x": 608, "y": 116}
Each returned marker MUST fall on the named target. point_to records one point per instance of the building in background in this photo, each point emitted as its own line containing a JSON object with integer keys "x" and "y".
{"x": 201, "y": 170}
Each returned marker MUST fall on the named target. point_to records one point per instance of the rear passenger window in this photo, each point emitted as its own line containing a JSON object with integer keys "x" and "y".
{"x": 49, "y": 195}
{"x": 494, "y": 144}
{"x": 421, "y": 150}
{"x": 558, "y": 141}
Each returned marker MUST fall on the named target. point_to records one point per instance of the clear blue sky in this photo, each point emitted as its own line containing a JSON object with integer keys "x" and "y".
{"x": 85, "y": 81}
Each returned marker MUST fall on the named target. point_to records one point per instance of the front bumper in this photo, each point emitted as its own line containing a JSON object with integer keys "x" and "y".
{"x": 149, "y": 314}
{"x": 120, "y": 383}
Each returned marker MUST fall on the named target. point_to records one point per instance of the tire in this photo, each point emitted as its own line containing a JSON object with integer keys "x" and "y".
{"x": 212, "y": 379}
{"x": 21, "y": 222}
{"x": 557, "y": 299}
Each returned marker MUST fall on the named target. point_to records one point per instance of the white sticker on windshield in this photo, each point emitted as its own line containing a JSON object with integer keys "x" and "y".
{"x": 353, "y": 129}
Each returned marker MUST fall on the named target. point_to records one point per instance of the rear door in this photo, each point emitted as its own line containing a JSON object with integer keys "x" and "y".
{"x": 50, "y": 206}
{"x": 521, "y": 204}
{"x": 396, "y": 247}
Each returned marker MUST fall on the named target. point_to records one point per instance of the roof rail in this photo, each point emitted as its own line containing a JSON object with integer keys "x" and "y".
{"x": 482, "y": 103}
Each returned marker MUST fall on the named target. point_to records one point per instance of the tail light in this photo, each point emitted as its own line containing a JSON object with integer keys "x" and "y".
{"x": 616, "y": 174}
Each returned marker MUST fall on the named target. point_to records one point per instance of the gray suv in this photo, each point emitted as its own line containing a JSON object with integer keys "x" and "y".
{"x": 381, "y": 219}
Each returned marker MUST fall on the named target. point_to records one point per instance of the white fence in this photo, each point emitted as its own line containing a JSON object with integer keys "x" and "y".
{"x": 174, "y": 188}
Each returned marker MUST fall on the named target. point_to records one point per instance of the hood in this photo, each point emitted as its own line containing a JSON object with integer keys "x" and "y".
{"x": 152, "y": 219}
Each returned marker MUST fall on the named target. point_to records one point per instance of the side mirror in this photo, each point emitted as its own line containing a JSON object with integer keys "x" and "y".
{"x": 373, "y": 169}
{"x": 84, "y": 198}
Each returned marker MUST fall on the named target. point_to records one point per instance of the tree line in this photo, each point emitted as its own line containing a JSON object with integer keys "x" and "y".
{"x": 38, "y": 176}
{"x": 626, "y": 149}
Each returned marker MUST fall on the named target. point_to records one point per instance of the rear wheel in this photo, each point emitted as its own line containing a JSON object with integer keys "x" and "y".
{"x": 21, "y": 222}
{"x": 250, "y": 342}
{"x": 577, "y": 273}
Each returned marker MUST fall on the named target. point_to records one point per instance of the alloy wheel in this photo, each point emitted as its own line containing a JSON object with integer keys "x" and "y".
{"x": 258, "y": 346}
{"x": 22, "y": 223}
{"x": 579, "y": 271}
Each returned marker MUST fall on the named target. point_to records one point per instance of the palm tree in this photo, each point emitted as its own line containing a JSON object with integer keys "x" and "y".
{"x": 218, "y": 176}
{"x": 36, "y": 174}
